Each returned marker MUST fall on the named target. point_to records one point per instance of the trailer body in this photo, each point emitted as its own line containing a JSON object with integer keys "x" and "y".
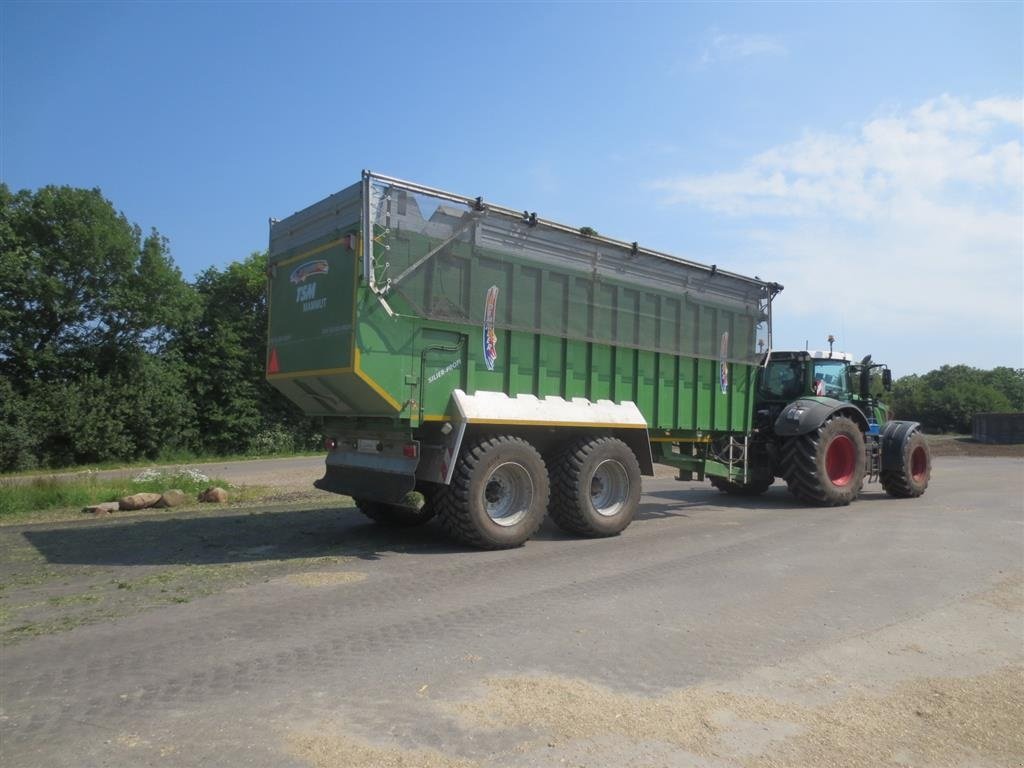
{"x": 408, "y": 318}
{"x": 483, "y": 300}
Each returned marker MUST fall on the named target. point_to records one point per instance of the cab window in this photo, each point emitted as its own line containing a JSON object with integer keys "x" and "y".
{"x": 782, "y": 379}
{"x": 830, "y": 379}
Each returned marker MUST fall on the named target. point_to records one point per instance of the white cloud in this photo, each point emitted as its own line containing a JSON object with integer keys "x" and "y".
{"x": 918, "y": 215}
{"x": 728, "y": 47}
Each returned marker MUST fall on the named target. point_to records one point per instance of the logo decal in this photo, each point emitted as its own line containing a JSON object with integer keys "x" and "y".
{"x": 490, "y": 337}
{"x": 437, "y": 375}
{"x": 303, "y": 272}
{"x": 723, "y": 364}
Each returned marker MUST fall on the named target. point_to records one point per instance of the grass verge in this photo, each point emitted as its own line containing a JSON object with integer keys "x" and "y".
{"x": 164, "y": 459}
{"x": 18, "y": 499}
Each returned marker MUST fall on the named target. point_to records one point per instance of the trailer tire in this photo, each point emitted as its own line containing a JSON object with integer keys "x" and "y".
{"x": 406, "y": 515}
{"x": 826, "y": 466}
{"x": 595, "y": 487}
{"x": 911, "y": 479}
{"x": 757, "y": 485}
{"x": 498, "y": 495}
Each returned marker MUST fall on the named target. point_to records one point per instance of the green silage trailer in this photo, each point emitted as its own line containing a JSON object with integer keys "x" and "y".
{"x": 488, "y": 366}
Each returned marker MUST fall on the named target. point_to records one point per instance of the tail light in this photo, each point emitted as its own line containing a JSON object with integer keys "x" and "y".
{"x": 330, "y": 443}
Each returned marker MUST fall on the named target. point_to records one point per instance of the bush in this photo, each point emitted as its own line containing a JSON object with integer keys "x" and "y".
{"x": 272, "y": 440}
{"x": 946, "y": 399}
{"x": 19, "y": 437}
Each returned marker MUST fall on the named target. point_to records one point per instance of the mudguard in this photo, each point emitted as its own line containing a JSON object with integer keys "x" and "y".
{"x": 894, "y": 437}
{"x": 808, "y": 413}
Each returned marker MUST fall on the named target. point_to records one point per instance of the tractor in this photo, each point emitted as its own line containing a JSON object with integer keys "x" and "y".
{"x": 820, "y": 426}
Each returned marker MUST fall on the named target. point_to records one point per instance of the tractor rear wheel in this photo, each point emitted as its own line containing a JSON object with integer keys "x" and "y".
{"x": 911, "y": 479}
{"x": 826, "y": 467}
{"x": 411, "y": 512}
{"x": 595, "y": 487}
{"x": 498, "y": 495}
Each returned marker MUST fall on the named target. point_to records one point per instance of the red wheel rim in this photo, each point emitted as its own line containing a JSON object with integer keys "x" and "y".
{"x": 840, "y": 460}
{"x": 918, "y": 464}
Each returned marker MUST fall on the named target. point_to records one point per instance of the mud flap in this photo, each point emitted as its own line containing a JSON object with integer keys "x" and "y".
{"x": 374, "y": 476}
{"x": 366, "y": 484}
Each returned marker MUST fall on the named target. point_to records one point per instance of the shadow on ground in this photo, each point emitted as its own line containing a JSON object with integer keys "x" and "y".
{"x": 286, "y": 533}
{"x": 233, "y": 538}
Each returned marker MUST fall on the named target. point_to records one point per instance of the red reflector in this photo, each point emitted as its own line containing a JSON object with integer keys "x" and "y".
{"x": 410, "y": 450}
{"x": 272, "y": 364}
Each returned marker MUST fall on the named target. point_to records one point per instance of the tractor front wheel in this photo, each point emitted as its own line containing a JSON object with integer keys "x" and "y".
{"x": 826, "y": 467}
{"x": 911, "y": 479}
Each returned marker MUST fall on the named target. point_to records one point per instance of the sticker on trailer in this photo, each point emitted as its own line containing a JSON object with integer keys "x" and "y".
{"x": 303, "y": 272}
{"x": 723, "y": 363}
{"x": 490, "y": 337}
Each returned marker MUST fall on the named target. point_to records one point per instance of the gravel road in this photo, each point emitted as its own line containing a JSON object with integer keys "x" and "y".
{"x": 714, "y": 633}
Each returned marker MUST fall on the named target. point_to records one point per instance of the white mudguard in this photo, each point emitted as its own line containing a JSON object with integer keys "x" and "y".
{"x": 525, "y": 411}
{"x": 529, "y": 410}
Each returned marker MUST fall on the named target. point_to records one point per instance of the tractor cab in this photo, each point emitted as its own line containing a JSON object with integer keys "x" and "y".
{"x": 787, "y": 376}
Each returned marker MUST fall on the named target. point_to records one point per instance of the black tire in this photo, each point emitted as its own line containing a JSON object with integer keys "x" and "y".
{"x": 414, "y": 511}
{"x": 911, "y": 479}
{"x": 498, "y": 495}
{"x": 758, "y": 483}
{"x": 826, "y": 467}
{"x": 595, "y": 487}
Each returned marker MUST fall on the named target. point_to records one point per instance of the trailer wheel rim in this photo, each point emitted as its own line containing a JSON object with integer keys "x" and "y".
{"x": 918, "y": 464}
{"x": 840, "y": 460}
{"x": 508, "y": 494}
{"x": 609, "y": 488}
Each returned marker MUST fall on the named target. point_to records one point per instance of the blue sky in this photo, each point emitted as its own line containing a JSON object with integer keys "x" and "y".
{"x": 867, "y": 156}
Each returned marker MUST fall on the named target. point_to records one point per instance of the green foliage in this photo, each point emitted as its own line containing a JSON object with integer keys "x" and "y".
{"x": 224, "y": 353}
{"x": 226, "y": 348}
{"x": 80, "y": 285}
{"x": 140, "y": 413}
{"x": 946, "y": 399}
{"x": 19, "y": 440}
{"x": 107, "y": 354}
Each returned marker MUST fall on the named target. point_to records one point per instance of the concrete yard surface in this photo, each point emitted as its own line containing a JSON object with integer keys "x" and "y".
{"x": 714, "y": 632}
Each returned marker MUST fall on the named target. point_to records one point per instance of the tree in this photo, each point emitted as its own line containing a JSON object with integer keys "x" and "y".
{"x": 946, "y": 399}
{"x": 81, "y": 288}
{"x": 87, "y": 305}
{"x": 226, "y": 349}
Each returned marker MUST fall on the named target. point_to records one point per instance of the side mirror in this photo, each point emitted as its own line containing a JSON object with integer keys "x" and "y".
{"x": 887, "y": 379}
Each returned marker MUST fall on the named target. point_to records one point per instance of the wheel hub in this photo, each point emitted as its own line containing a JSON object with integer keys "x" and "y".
{"x": 918, "y": 464}
{"x": 840, "y": 460}
{"x": 508, "y": 494}
{"x": 609, "y": 488}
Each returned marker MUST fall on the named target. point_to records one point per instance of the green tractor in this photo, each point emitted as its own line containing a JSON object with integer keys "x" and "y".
{"x": 820, "y": 425}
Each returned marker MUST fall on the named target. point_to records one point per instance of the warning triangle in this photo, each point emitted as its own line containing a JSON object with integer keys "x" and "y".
{"x": 272, "y": 366}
